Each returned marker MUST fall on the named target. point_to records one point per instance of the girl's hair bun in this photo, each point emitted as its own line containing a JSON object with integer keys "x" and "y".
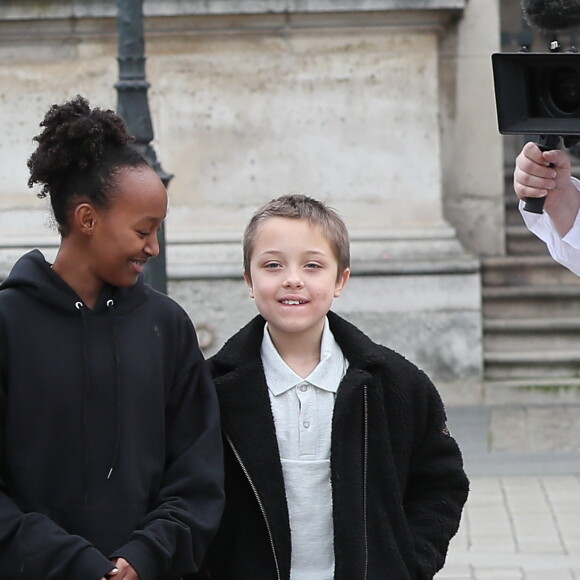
{"x": 75, "y": 137}
{"x": 78, "y": 155}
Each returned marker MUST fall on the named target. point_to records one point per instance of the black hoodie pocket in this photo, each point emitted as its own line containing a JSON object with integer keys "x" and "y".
{"x": 106, "y": 527}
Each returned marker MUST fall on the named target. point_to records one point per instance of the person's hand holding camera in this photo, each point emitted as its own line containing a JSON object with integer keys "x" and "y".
{"x": 548, "y": 174}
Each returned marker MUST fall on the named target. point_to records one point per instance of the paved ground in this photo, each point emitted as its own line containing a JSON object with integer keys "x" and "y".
{"x": 518, "y": 527}
{"x": 522, "y": 519}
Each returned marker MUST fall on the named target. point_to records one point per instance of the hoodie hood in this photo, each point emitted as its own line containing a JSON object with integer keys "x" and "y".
{"x": 34, "y": 276}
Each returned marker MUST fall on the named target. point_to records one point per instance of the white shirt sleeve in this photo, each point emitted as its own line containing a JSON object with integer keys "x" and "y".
{"x": 564, "y": 250}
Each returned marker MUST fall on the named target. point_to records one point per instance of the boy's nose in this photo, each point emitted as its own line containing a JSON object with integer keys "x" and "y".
{"x": 293, "y": 281}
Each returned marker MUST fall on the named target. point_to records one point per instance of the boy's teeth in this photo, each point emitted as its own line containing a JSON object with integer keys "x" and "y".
{"x": 292, "y": 302}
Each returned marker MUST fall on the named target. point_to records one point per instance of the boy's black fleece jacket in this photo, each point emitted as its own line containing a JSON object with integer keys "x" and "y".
{"x": 397, "y": 476}
{"x": 110, "y": 443}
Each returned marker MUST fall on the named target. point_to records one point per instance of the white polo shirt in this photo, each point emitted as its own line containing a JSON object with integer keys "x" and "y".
{"x": 302, "y": 410}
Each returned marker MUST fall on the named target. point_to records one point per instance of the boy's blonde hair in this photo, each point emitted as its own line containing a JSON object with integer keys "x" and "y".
{"x": 305, "y": 208}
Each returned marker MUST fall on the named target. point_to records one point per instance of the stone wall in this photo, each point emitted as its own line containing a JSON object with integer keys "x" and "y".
{"x": 383, "y": 108}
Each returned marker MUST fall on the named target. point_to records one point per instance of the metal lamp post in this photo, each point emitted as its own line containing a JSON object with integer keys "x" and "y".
{"x": 133, "y": 107}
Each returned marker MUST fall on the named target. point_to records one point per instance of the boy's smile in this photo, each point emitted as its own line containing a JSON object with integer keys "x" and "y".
{"x": 293, "y": 278}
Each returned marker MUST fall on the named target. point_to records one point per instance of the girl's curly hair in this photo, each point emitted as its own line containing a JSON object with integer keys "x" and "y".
{"x": 79, "y": 153}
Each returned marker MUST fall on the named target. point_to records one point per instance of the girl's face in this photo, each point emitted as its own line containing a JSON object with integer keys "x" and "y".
{"x": 124, "y": 235}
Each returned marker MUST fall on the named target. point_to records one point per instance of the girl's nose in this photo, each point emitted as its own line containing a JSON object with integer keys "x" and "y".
{"x": 152, "y": 246}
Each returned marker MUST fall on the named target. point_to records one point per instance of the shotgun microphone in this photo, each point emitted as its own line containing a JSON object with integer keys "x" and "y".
{"x": 552, "y": 15}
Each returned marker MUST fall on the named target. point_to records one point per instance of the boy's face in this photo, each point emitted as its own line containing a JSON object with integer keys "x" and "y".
{"x": 293, "y": 277}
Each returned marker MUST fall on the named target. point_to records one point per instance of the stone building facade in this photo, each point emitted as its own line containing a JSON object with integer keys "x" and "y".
{"x": 383, "y": 108}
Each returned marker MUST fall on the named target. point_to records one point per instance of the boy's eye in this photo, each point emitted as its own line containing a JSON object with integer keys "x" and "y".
{"x": 143, "y": 234}
{"x": 313, "y": 266}
{"x": 272, "y": 265}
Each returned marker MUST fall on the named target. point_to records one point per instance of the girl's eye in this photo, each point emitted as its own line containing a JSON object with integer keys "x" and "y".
{"x": 143, "y": 234}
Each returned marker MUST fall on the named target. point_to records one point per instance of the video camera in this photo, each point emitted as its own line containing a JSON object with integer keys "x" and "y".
{"x": 539, "y": 93}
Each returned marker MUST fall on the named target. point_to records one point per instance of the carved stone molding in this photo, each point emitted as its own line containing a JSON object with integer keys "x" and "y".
{"x": 27, "y": 9}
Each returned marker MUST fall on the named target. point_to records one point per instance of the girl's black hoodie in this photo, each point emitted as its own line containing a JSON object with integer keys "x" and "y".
{"x": 110, "y": 443}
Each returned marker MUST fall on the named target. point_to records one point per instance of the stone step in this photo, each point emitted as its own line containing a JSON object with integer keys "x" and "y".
{"x": 533, "y": 391}
{"x": 525, "y": 271}
{"x": 521, "y": 242}
{"x": 511, "y": 202}
{"x": 532, "y": 365}
{"x": 539, "y": 301}
{"x": 531, "y": 320}
{"x": 536, "y": 334}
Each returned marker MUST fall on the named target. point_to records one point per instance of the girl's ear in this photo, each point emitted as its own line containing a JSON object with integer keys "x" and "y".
{"x": 85, "y": 218}
{"x": 341, "y": 283}
{"x": 249, "y": 283}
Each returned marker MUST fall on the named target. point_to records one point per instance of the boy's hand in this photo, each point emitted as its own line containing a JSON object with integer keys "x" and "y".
{"x": 548, "y": 174}
{"x": 122, "y": 571}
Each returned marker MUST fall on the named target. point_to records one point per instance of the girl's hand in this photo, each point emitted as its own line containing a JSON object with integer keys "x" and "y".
{"x": 122, "y": 571}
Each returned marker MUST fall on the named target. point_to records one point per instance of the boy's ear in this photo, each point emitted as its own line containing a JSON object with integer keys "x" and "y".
{"x": 249, "y": 283}
{"x": 341, "y": 283}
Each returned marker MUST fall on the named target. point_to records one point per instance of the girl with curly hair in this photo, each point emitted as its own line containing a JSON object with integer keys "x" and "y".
{"x": 110, "y": 452}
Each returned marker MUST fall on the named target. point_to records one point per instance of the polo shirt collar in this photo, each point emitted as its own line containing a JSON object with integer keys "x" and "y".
{"x": 327, "y": 374}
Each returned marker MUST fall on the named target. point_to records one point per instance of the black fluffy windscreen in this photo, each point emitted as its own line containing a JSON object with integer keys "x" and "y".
{"x": 552, "y": 15}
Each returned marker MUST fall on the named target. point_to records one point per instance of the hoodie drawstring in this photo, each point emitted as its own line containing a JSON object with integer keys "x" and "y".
{"x": 85, "y": 394}
{"x": 86, "y": 390}
{"x": 118, "y": 415}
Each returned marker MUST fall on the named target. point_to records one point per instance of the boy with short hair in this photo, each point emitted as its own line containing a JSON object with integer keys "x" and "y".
{"x": 338, "y": 461}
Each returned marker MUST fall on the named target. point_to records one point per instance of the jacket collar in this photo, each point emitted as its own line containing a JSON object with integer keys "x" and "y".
{"x": 243, "y": 348}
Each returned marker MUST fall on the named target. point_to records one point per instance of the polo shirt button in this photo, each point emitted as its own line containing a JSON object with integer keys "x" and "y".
{"x": 306, "y": 424}
{"x": 303, "y": 387}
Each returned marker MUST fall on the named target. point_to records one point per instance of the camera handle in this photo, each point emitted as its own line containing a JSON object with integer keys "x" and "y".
{"x": 545, "y": 143}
